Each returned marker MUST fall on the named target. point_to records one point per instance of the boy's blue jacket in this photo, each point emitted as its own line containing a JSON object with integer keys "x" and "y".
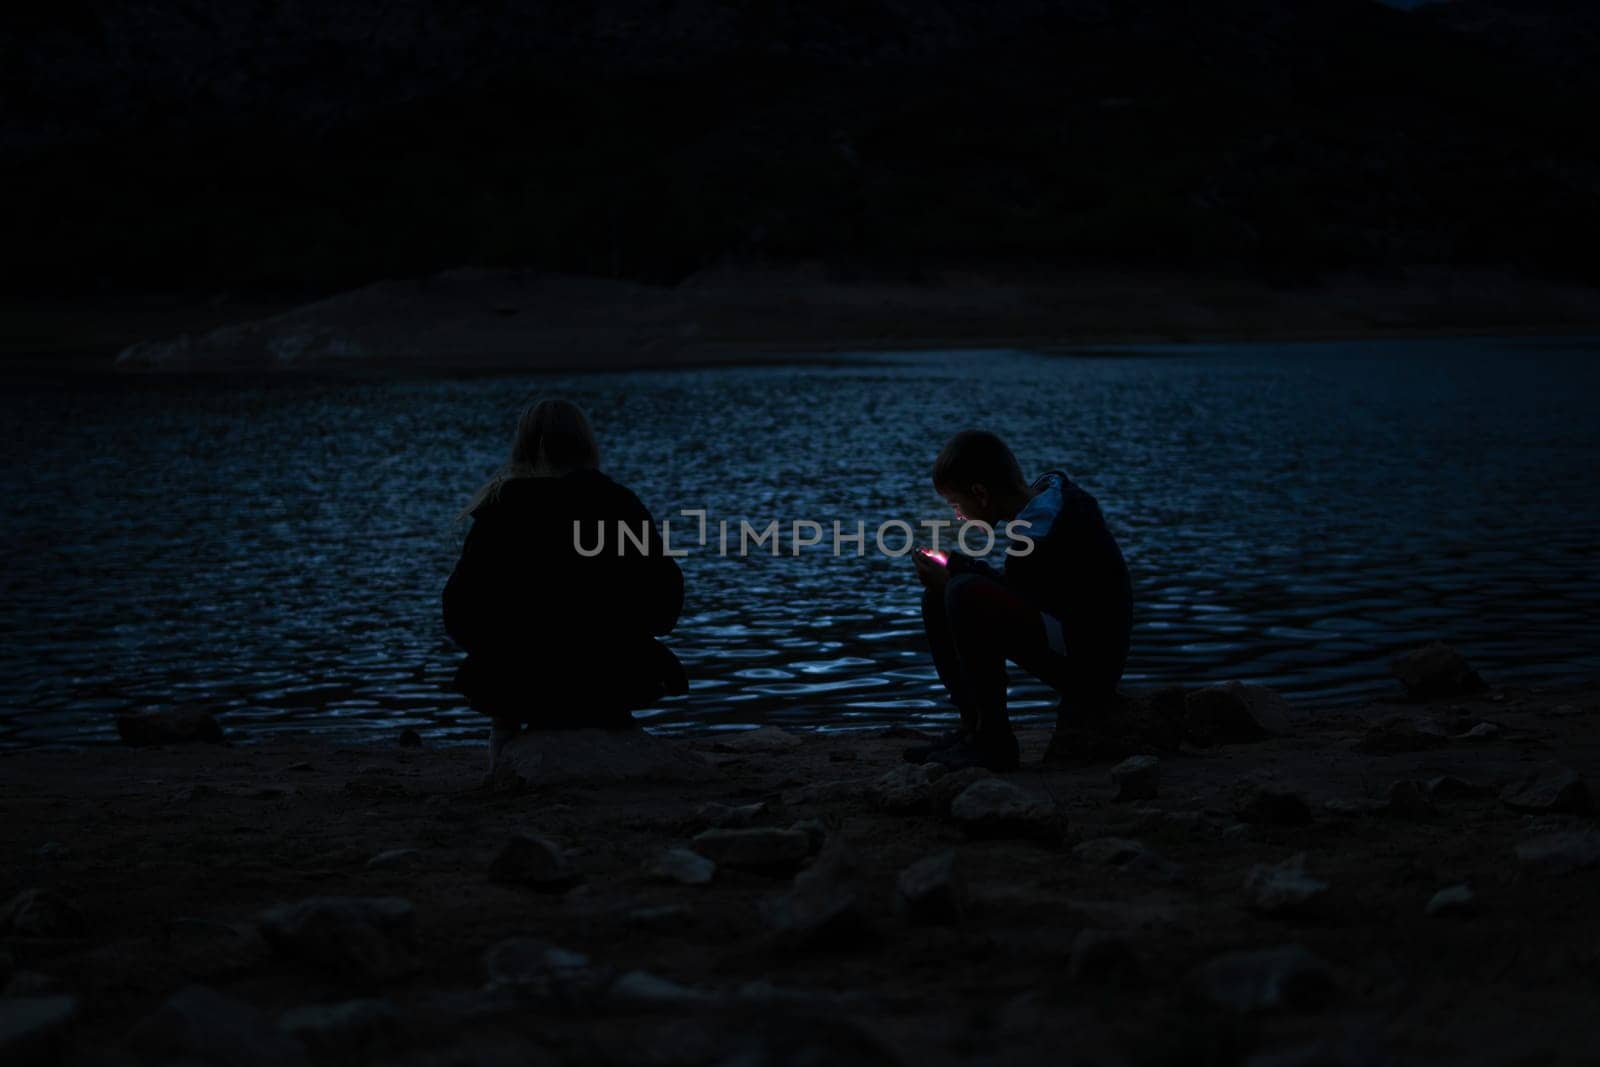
{"x": 1074, "y": 573}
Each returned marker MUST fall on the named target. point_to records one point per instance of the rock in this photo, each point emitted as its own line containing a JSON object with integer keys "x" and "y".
{"x": 1408, "y": 799}
{"x": 816, "y": 831}
{"x": 1288, "y": 976}
{"x": 1155, "y": 718}
{"x": 531, "y": 860}
{"x": 756, "y": 848}
{"x": 541, "y": 972}
{"x": 1234, "y": 713}
{"x": 409, "y": 738}
{"x": 1484, "y": 731}
{"x": 1104, "y": 957}
{"x": 908, "y": 787}
{"x": 1452, "y": 900}
{"x": 595, "y": 757}
{"x": 683, "y": 866}
{"x": 825, "y": 903}
{"x": 1129, "y": 856}
{"x": 1286, "y": 890}
{"x": 198, "y": 1025}
{"x": 169, "y": 726}
{"x": 1355, "y": 807}
{"x": 32, "y": 1028}
{"x": 1087, "y": 734}
{"x": 342, "y": 1030}
{"x": 1136, "y": 778}
{"x": 1435, "y": 672}
{"x": 728, "y": 816}
{"x": 358, "y": 937}
{"x": 993, "y": 807}
{"x": 1563, "y": 852}
{"x": 1552, "y": 789}
{"x": 1267, "y": 802}
{"x": 764, "y": 739}
{"x": 1401, "y": 734}
{"x": 641, "y": 989}
{"x": 40, "y": 913}
{"x": 948, "y": 786}
{"x": 932, "y": 890}
{"x": 1449, "y": 787}
{"x": 396, "y": 859}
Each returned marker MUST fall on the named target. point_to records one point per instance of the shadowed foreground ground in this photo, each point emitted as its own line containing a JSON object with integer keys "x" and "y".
{"x": 156, "y": 864}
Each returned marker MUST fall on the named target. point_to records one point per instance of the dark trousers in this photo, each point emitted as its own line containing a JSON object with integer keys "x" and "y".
{"x": 977, "y": 624}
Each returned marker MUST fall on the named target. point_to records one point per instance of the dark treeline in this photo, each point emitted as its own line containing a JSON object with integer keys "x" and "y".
{"x": 258, "y": 144}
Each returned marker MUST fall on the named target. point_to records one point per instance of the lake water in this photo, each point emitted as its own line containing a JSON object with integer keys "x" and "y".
{"x": 1292, "y": 515}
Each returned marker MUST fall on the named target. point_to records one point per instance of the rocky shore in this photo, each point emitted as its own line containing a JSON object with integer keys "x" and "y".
{"x": 1394, "y": 883}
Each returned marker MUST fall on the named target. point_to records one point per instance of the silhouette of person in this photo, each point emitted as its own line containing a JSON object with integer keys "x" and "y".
{"x": 1062, "y": 608}
{"x": 562, "y": 589}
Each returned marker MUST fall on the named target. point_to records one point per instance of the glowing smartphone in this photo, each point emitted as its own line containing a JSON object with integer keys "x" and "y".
{"x": 940, "y": 558}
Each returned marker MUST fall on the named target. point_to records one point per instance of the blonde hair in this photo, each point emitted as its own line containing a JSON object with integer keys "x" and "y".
{"x": 553, "y": 438}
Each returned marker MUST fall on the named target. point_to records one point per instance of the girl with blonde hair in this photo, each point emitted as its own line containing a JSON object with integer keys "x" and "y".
{"x": 562, "y": 589}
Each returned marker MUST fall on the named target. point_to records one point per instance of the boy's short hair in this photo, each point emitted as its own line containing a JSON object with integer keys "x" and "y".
{"x": 976, "y": 457}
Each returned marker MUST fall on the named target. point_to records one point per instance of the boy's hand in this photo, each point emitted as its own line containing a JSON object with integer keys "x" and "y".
{"x": 932, "y": 575}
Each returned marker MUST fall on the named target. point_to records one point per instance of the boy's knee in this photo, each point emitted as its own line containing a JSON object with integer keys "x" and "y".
{"x": 963, "y": 593}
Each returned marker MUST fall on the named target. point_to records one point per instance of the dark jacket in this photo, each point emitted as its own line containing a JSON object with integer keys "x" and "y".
{"x": 1075, "y": 575}
{"x": 553, "y": 633}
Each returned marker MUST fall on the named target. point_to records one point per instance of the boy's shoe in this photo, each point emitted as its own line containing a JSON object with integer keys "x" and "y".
{"x": 948, "y": 739}
{"x": 998, "y": 752}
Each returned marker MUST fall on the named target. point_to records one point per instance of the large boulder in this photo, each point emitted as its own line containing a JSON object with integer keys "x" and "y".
{"x": 1435, "y": 672}
{"x": 1234, "y": 713}
{"x": 595, "y": 757}
{"x": 350, "y": 937}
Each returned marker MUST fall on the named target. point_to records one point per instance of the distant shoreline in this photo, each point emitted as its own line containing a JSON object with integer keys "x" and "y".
{"x": 478, "y": 321}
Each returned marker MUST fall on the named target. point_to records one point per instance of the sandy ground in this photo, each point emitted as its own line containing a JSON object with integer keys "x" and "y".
{"x": 479, "y": 320}
{"x": 157, "y": 864}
